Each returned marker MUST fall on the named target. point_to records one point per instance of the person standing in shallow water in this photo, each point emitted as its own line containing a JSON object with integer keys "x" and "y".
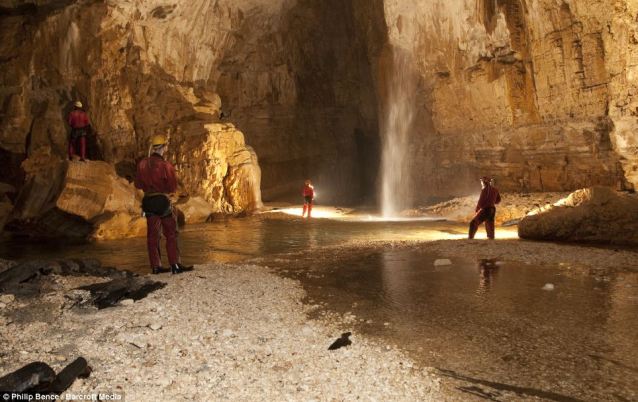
{"x": 157, "y": 178}
{"x": 485, "y": 208}
{"x": 80, "y": 126}
{"x": 308, "y": 197}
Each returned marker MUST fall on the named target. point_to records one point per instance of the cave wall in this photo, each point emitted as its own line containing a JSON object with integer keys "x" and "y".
{"x": 537, "y": 93}
{"x": 279, "y": 71}
{"x": 140, "y": 68}
{"x": 304, "y": 92}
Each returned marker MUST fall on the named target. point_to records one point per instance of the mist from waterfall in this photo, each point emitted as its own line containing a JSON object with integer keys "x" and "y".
{"x": 397, "y": 126}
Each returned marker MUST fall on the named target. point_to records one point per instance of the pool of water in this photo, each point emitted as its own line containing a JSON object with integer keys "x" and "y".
{"x": 238, "y": 239}
{"x": 490, "y": 325}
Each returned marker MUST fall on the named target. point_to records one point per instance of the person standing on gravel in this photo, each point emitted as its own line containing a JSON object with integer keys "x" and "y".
{"x": 157, "y": 178}
{"x": 485, "y": 208}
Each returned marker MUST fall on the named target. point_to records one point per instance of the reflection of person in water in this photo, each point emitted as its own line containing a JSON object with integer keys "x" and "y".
{"x": 487, "y": 270}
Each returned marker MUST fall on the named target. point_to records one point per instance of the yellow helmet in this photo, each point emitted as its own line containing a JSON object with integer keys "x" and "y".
{"x": 77, "y": 104}
{"x": 159, "y": 139}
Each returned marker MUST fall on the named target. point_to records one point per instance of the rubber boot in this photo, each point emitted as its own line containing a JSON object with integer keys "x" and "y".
{"x": 309, "y": 210}
{"x": 179, "y": 268}
{"x": 489, "y": 228}
{"x": 305, "y": 208}
{"x": 159, "y": 270}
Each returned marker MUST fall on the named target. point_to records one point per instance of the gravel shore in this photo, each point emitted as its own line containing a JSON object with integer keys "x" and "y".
{"x": 224, "y": 332}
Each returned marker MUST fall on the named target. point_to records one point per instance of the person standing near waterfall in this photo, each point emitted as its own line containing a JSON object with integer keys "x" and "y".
{"x": 308, "y": 193}
{"x": 157, "y": 178}
{"x": 80, "y": 126}
{"x": 485, "y": 208}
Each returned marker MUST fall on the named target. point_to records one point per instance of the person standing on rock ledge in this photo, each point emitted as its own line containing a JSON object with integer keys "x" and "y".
{"x": 156, "y": 177}
{"x": 308, "y": 193}
{"x": 485, "y": 208}
{"x": 80, "y": 126}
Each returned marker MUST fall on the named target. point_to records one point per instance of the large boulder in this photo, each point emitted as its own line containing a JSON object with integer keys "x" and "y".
{"x": 77, "y": 200}
{"x": 195, "y": 210}
{"x": 218, "y": 166}
{"x": 597, "y": 215}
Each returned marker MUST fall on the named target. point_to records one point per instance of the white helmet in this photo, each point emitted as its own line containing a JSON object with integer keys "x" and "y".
{"x": 77, "y": 104}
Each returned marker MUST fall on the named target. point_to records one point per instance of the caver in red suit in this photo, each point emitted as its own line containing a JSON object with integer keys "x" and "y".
{"x": 80, "y": 126}
{"x": 485, "y": 208}
{"x": 156, "y": 177}
{"x": 308, "y": 193}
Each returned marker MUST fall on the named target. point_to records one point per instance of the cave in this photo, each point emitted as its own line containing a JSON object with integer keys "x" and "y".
{"x": 318, "y": 199}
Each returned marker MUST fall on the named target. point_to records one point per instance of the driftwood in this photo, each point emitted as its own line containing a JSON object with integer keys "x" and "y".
{"x": 108, "y": 294}
{"x": 22, "y": 279}
{"x": 34, "y": 376}
{"x": 29, "y": 271}
{"x": 39, "y": 378}
{"x": 79, "y": 368}
{"x": 20, "y": 273}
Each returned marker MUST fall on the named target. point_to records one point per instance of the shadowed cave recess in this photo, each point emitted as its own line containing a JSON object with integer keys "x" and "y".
{"x": 258, "y": 95}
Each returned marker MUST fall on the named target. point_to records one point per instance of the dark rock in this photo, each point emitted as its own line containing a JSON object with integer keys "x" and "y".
{"x": 108, "y": 294}
{"x": 341, "y": 342}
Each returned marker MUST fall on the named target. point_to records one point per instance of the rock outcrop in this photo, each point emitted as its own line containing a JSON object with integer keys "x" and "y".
{"x": 77, "y": 200}
{"x": 140, "y": 72}
{"x": 597, "y": 215}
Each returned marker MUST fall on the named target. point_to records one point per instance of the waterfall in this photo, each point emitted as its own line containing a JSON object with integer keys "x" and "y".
{"x": 69, "y": 45}
{"x": 397, "y": 127}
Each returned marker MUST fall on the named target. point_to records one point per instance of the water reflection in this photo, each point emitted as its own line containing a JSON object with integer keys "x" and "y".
{"x": 487, "y": 269}
{"x": 492, "y": 320}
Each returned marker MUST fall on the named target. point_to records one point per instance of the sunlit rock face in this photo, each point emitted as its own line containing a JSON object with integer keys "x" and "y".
{"x": 80, "y": 200}
{"x": 596, "y": 214}
{"x": 265, "y": 93}
{"x": 538, "y": 93}
{"x": 141, "y": 68}
{"x": 285, "y": 74}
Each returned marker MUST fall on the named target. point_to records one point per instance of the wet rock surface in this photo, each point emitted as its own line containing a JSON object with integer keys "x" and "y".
{"x": 595, "y": 215}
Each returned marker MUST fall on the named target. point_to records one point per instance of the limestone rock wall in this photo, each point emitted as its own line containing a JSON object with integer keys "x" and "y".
{"x": 141, "y": 68}
{"x": 538, "y": 93}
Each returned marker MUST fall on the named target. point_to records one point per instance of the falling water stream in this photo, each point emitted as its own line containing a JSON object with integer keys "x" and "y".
{"x": 396, "y": 184}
